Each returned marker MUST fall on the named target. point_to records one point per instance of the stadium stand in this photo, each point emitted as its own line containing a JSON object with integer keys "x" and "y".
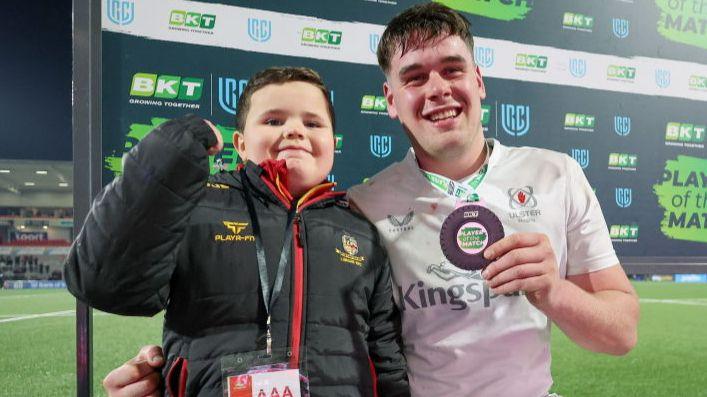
{"x": 33, "y": 243}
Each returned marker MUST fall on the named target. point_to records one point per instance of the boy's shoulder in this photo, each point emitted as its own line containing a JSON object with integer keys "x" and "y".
{"x": 224, "y": 180}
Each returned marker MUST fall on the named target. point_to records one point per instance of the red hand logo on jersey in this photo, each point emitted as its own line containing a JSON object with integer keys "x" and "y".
{"x": 521, "y": 197}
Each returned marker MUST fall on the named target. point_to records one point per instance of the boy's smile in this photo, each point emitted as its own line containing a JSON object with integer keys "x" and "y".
{"x": 290, "y": 122}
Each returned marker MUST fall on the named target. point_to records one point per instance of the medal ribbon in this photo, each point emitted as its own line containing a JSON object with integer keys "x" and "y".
{"x": 466, "y": 192}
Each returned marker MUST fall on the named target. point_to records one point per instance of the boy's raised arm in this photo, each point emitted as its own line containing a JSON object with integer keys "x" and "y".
{"x": 124, "y": 255}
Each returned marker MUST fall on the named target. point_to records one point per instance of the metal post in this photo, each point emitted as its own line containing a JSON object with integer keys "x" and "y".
{"x": 86, "y": 107}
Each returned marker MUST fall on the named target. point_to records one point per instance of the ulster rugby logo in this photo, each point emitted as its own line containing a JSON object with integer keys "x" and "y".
{"x": 523, "y": 204}
{"x": 522, "y": 197}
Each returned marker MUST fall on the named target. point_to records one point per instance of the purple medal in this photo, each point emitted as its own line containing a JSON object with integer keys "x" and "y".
{"x": 466, "y": 233}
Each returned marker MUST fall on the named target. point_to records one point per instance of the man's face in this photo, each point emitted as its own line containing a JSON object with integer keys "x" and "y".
{"x": 436, "y": 92}
{"x": 290, "y": 121}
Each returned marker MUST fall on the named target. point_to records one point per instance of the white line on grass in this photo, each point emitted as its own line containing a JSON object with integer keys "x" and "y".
{"x": 25, "y": 296}
{"x": 15, "y": 315}
{"x": 33, "y": 316}
{"x": 691, "y": 302}
{"x": 20, "y": 317}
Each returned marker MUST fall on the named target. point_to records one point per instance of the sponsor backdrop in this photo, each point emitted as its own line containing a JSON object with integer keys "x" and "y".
{"x": 619, "y": 85}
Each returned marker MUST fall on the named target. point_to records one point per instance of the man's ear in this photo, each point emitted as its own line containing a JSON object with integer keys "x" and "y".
{"x": 480, "y": 83}
{"x": 239, "y": 145}
{"x": 388, "y": 93}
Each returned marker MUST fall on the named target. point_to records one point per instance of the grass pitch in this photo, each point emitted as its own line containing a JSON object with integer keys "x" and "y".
{"x": 37, "y": 347}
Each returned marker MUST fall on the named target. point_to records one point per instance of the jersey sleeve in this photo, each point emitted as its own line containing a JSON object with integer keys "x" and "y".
{"x": 589, "y": 246}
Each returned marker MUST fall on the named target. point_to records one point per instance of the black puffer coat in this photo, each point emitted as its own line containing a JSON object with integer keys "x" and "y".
{"x": 165, "y": 235}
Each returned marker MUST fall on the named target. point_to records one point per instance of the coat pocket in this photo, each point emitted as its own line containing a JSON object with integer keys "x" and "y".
{"x": 176, "y": 380}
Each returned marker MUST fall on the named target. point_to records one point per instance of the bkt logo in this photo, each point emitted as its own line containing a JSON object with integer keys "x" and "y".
{"x": 485, "y": 115}
{"x": 120, "y": 12}
{"x": 662, "y": 78}
{"x": 575, "y": 21}
{"x": 484, "y": 56}
{"x": 623, "y": 160}
{"x": 192, "y": 19}
{"x": 698, "y": 82}
{"x": 165, "y": 86}
{"x": 515, "y": 119}
{"x": 381, "y": 145}
{"x": 581, "y": 156}
{"x": 530, "y": 61}
{"x": 620, "y": 27}
{"x": 578, "y": 121}
{"x": 685, "y": 132}
{"x": 373, "y": 102}
{"x": 623, "y": 231}
{"x": 373, "y": 40}
{"x": 321, "y": 36}
{"x": 338, "y": 143}
{"x": 229, "y": 90}
{"x": 622, "y": 125}
{"x": 578, "y": 67}
{"x": 259, "y": 30}
{"x": 616, "y": 72}
{"x": 623, "y": 196}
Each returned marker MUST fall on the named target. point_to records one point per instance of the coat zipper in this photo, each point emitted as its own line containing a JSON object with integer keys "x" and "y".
{"x": 297, "y": 293}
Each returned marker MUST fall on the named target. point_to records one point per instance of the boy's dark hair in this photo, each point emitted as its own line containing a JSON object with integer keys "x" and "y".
{"x": 418, "y": 26}
{"x": 279, "y": 75}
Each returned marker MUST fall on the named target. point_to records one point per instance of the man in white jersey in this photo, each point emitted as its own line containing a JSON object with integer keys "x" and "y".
{"x": 471, "y": 333}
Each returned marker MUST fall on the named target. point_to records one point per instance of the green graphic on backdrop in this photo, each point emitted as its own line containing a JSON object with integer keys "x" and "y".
{"x": 494, "y": 9}
{"x": 682, "y": 193}
{"x": 227, "y": 159}
{"x": 683, "y": 21}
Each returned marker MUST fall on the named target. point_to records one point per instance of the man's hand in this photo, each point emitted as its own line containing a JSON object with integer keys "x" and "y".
{"x": 523, "y": 262}
{"x": 219, "y": 140}
{"x": 597, "y": 310}
{"x": 139, "y": 377}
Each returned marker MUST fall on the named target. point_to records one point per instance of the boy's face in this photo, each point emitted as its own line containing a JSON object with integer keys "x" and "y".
{"x": 290, "y": 121}
{"x": 436, "y": 92}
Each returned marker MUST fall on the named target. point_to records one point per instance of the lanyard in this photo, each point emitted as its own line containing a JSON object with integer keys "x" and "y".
{"x": 269, "y": 297}
{"x": 466, "y": 192}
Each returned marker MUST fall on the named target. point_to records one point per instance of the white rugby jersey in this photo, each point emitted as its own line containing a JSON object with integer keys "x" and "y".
{"x": 460, "y": 339}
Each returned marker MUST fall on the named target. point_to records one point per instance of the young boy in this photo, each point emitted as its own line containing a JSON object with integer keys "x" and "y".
{"x": 210, "y": 250}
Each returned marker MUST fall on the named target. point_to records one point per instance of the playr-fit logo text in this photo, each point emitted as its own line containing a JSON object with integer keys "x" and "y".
{"x": 236, "y": 228}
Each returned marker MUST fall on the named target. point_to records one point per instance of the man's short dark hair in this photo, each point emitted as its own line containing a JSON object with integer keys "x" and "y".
{"x": 421, "y": 25}
{"x": 279, "y": 75}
